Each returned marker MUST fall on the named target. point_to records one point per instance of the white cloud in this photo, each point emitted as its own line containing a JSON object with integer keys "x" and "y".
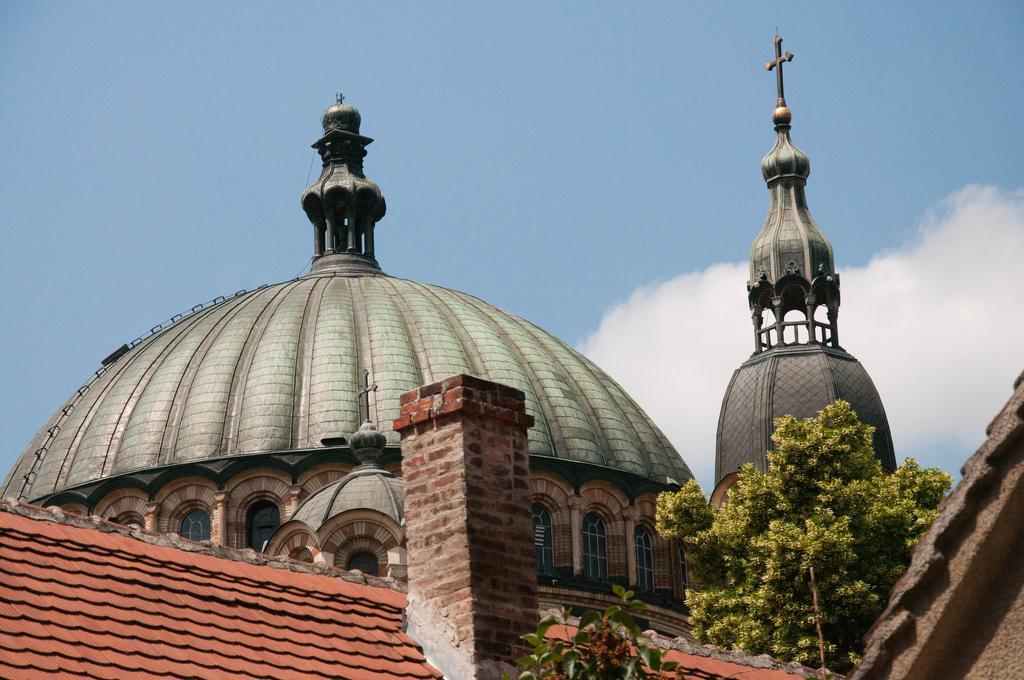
{"x": 938, "y": 323}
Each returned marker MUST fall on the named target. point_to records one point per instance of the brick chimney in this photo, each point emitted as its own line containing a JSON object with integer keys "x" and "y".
{"x": 469, "y": 528}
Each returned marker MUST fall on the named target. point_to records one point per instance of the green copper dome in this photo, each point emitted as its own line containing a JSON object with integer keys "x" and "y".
{"x": 279, "y": 368}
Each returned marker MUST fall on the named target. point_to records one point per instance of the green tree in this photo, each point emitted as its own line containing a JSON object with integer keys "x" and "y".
{"x": 825, "y": 513}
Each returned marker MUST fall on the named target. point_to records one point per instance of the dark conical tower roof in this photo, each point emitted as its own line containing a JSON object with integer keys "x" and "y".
{"x": 798, "y": 366}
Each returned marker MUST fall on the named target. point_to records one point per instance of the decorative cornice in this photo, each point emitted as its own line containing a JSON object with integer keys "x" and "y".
{"x": 293, "y": 463}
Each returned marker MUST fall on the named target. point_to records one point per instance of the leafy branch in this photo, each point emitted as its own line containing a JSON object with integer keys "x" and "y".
{"x": 607, "y": 645}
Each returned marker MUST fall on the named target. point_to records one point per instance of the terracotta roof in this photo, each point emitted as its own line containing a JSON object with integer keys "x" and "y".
{"x": 706, "y": 662}
{"x": 81, "y": 597}
{"x": 930, "y": 574}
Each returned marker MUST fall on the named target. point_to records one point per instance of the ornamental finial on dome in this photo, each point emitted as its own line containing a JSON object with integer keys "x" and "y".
{"x": 342, "y": 203}
{"x": 367, "y": 444}
{"x": 785, "y": 159}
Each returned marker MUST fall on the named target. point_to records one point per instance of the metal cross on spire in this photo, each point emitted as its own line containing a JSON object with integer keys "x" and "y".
{"x": 364, "y": 394}
{"x": 779, "y": 60}
{"x": 339, "y": 97}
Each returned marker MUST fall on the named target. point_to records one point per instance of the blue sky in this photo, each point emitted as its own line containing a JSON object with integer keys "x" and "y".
{"x": 549, "y": 157}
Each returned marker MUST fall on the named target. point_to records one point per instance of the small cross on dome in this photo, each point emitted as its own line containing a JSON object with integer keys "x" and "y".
{"x": 364, "y": 394}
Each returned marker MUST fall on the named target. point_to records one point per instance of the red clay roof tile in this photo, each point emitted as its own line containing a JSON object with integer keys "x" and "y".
{"x": 83, "y": 599}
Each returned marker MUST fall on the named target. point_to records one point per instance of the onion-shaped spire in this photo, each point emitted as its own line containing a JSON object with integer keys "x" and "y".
{"x": 342, "y": 203}
{"x": 785, "y": 160}
{"x": 791, "y": 262}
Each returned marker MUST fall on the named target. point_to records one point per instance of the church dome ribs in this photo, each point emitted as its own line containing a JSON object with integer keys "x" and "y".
{"x": 278, "y": 368}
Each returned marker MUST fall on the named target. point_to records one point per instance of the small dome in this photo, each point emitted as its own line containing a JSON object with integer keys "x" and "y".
{"x": 785, "y": 159}
{"x": 797, "y": 381}
{"x": 365, "y": 488}
{"x": 342, "y": 117}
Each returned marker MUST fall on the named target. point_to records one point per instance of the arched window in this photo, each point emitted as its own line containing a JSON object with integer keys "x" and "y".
{"x": 595, "y": 548}
{"x": 195, "y": 526}
{"x": 543, "y": 547}
{"x": 365, "y": 562}
{"x": 644, "y": 560}
{"x": 261, "y": 520}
